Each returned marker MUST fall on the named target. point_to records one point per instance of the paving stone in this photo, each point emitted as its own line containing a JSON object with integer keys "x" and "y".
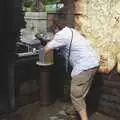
{"x": 57, "y": 111}
{"x": 61, "y": 119}
{"x": 62, "y": 112}
{"x": 53, "y": 118}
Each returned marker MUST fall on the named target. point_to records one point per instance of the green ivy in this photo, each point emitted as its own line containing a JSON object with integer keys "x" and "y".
{"x": 27, "y": 3}
{"x": 46, "y": 2}
{"x": 32, "y": 4}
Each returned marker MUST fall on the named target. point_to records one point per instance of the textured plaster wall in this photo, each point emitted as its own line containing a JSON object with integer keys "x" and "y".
{"x": 99, "y": 21}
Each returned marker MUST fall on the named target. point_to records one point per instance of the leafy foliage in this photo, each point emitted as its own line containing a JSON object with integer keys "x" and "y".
{"x": 32, "y": 4}
{"x": 27, "y": 3}
{"x": 46, "y": 2}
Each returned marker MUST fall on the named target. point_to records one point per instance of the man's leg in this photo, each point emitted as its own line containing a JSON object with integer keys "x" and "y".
{"x": 83, "y": 114}
{"x": 80, "y": 86}
{"x": 81, "y": 109}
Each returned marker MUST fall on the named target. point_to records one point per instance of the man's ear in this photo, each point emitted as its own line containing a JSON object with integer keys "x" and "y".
{"x": 56, "y": 30}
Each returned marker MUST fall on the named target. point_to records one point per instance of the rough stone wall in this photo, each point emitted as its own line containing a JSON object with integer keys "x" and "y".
{"x": 99, "y": 21}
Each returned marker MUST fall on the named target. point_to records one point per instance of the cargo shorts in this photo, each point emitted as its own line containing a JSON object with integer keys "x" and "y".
{"x": 80, "y": 86}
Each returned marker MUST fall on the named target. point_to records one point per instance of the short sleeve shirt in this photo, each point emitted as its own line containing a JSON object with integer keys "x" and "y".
{"x": 82, "y": 55}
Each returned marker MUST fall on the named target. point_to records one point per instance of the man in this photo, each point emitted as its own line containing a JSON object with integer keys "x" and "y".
{"x": 83, "y": 59}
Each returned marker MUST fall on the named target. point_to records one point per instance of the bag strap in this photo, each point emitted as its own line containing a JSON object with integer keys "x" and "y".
{"x": 67, "y": 80}
{"x": 69, "y": 50}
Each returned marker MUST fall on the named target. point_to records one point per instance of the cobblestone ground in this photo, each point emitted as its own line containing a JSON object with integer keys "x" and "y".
{"x": 56, "y": 111}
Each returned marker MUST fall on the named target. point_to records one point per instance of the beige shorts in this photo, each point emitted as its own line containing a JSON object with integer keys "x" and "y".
{"x": 80, "y": 86}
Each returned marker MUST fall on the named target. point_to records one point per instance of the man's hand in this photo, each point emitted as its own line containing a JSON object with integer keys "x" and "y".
{"x": 46, "y": 49}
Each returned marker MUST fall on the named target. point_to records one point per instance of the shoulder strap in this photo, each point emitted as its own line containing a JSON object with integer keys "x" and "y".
{"x": 67, "y": 61}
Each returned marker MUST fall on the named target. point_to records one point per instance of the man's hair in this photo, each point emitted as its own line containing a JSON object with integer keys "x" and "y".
{"x": 60, "y": 20}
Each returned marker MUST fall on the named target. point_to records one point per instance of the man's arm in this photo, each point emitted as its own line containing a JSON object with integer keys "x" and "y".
{"x": 58, "y": 41}
{"x": 47, "y": 49}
